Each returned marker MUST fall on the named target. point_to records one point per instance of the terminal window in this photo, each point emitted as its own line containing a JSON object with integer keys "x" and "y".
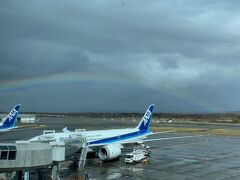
{"x": 12, "y": 152}
{"x": 3, "y": 152}
{"x": 8, "y": 152}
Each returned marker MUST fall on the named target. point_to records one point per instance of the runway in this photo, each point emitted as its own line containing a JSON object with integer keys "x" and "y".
{"x": 206, "y": 157}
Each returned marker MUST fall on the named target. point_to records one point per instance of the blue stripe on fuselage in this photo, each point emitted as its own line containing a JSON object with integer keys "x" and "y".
{"x": 120, "y": 137}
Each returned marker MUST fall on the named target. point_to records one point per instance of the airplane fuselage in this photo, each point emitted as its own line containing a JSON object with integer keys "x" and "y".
{"x": 95, "y": 137}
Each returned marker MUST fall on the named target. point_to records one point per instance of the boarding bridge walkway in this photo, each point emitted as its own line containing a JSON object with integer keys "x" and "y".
{"x": 23, "y": 155}
{"x": 83, "y": 155}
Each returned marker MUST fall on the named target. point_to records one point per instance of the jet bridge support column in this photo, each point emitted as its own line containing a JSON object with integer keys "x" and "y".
{"x": 54, "y": 171}
{"x": 83, "y": 155}
{"x": 26, "y": 175}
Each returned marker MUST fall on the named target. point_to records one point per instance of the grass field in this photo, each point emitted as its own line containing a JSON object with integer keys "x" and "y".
{"x": 225, "y": 131}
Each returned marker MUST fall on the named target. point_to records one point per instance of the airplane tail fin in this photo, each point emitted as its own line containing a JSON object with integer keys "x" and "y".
{"x": 11, "y": 119}
{"x": 146, "y": 119}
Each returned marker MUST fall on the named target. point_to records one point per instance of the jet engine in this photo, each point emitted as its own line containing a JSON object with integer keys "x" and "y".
{"x": 109, "y": 152}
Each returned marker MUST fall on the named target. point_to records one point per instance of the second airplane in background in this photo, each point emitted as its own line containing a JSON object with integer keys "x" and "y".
{"x": 10, "y": 122}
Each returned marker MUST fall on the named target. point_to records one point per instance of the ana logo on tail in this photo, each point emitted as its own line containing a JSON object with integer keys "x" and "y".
{"x": 11, "y": 119}
{"x": 11, "y": 115}
{"x": 143, "y": 125}
{"x": 146, "y": 117}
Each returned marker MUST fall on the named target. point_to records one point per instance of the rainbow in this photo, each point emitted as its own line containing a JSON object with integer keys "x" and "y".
{"x": 86, "y": 77}
{"x": 59, "y": 78}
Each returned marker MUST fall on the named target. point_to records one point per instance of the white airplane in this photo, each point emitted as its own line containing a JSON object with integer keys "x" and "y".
{"x": 108, "y": 143}
{"x": 10, "y": 121}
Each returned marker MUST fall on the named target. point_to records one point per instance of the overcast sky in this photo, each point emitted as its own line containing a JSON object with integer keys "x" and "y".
{"x": 112, "y": 55}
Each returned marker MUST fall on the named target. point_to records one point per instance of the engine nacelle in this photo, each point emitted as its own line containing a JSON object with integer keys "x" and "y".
{"x": 109, "y": 152}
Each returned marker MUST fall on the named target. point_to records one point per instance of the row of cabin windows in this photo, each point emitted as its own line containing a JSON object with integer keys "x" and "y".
{"x": 8, "y": 152}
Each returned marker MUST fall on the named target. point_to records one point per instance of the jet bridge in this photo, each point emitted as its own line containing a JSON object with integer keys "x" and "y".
{"x": 25, "y": 155}
{"x": 22, "y": 155}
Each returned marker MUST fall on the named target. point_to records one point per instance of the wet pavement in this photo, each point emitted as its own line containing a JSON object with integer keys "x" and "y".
{"x": 205, "y": 157}
{"x": 196, "y": 158}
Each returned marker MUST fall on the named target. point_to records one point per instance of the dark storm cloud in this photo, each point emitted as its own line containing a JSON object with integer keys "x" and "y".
{"x": 186, "y": 48}
{"x": 30, "y": 58}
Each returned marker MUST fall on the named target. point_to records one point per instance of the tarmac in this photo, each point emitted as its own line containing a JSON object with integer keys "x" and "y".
{"x": 205, "y": 157}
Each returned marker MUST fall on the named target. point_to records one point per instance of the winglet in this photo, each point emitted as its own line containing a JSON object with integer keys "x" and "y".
{"x": 11, "y": 119}
{"x": 146, "y": 119}
{"x": 65, "y": 130}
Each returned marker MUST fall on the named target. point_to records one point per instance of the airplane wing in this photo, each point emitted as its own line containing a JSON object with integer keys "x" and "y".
{"x": 123, "y": 142}
{"x": 161, "y": 132}
{"x": 18, "y": 128}
{"x": 170, "y": 138}
{"x": 157, "y": 139}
